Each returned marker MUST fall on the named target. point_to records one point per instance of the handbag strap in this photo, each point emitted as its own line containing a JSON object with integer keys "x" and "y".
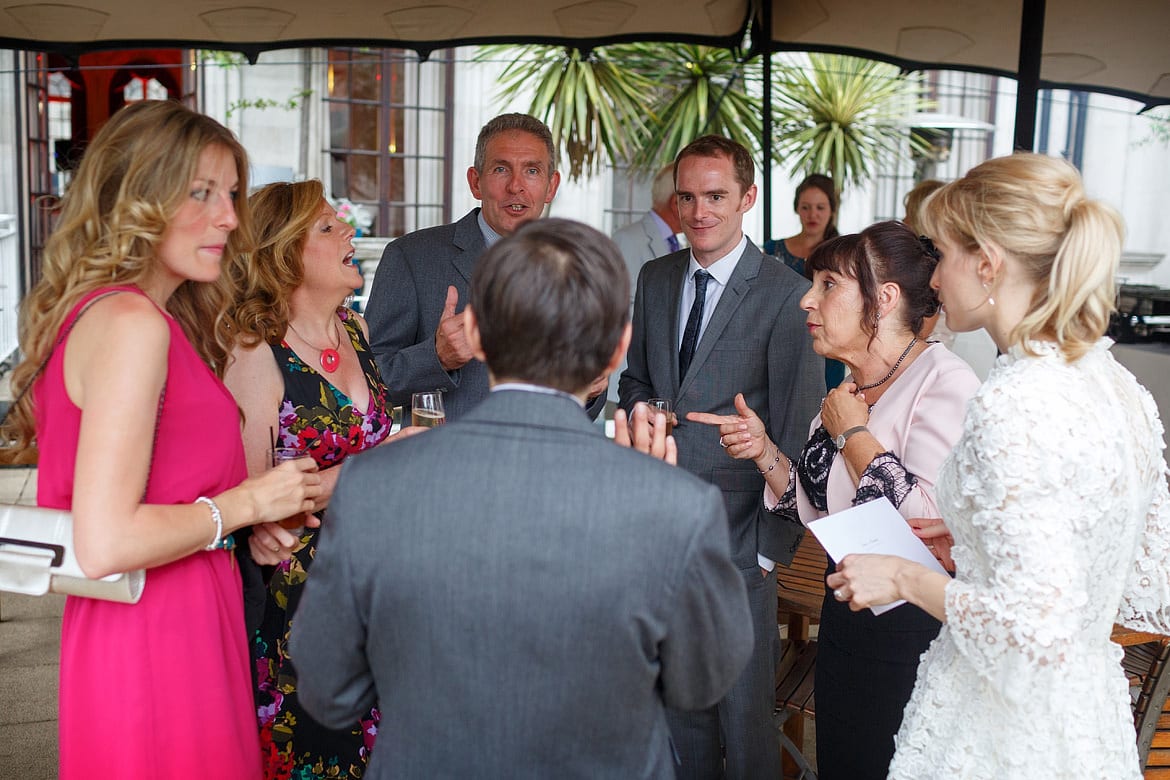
{"x": 60, "y": 340}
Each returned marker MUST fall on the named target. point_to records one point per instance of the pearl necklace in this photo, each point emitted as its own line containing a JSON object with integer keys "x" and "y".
{"x": 330, "y": 358}
{"x": 893, "y": 370}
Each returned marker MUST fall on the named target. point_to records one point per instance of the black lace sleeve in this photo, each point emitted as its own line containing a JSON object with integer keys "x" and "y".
{"x": 885, "y": 476}
{"x": 786, "y": 506}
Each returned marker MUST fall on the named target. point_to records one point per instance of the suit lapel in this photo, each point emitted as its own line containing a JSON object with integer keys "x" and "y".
{"x": 738, "y": 286}
{"x": 673, "y": 298}
{"x": 469, "y": 241}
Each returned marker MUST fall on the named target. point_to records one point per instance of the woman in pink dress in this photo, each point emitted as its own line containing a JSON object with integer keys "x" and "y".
{"x": 139, "y": 437}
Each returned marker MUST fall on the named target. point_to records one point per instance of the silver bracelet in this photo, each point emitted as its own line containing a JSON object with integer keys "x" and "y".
{"x": 774, "y": 462}
{"x": 217, "y": 518}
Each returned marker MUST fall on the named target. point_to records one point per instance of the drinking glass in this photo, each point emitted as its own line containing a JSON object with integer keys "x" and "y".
{"x": 426, "y": 409}
{"x": 276, "y": 456}
{"x": 661, "y": 405}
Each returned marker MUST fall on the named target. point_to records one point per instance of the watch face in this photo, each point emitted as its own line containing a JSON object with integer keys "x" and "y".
{"x": 840, "y": 441}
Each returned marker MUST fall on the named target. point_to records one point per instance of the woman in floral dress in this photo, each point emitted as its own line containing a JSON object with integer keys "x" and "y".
{"x": 305, "y": 378}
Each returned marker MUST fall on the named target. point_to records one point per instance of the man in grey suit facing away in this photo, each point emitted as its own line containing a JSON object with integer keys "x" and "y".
{"x": 415, "y": 308}
{"x": 535, "y": 600}
{"x": 709, "y": 322}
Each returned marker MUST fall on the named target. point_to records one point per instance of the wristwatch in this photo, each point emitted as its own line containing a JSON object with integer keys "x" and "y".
{"x": 844, "y": 435}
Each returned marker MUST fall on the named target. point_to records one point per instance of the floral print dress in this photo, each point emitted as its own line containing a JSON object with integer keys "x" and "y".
{"x": 319, "y": 419}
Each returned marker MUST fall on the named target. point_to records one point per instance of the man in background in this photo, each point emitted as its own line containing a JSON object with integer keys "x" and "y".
{"x": 508, "y": 616}
{"x": 656, "y": 233}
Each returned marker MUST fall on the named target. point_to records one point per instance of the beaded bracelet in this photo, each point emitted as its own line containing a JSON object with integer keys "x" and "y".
{"x": 774, "y": 462}
{"x": 218, "y": 542}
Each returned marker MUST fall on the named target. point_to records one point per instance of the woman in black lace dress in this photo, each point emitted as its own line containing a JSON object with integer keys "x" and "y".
{"x": 305, "y": 378}
{"x": 883, "y": 432}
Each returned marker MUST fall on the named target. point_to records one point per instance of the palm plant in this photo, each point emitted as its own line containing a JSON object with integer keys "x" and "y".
{"x": 588, "y": 101}
{"x": 699, "y": 90}
{"x": 640, "y": 102}
{"x": 840, "y": 115}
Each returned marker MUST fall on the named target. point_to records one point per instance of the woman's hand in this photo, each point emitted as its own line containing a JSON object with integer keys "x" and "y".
{"x": 844, "y": 408}
{"x": 641, "y": 435}
{"x": 937, "y": 537}
{"x": 742, "y": 435}
{"x": 270, "y": 544}
{"x": 289, "y": 489}
{"x": 872, "y": 580}
{"x": 867, "y": 580}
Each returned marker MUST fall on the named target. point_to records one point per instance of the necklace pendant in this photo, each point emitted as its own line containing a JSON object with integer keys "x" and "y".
{"x": 330, "y": 359}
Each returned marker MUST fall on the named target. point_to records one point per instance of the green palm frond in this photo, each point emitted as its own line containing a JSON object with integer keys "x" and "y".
{"x": 589, "y": 102}
{"x": 700, "y": 89}
{"x": 841, "y": 115}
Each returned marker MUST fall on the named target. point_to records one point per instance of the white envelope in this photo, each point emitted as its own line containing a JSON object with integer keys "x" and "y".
{"x": 873, "y": 527}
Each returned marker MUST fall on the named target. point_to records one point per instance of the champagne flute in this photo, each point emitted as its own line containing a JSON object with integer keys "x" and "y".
{"x": 426, "y": 409}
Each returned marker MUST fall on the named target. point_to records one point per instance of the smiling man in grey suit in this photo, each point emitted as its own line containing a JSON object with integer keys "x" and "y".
{"x": 415, "y": 306}
{"x": 710, "y": 322}
{"x": 532, "y": 603}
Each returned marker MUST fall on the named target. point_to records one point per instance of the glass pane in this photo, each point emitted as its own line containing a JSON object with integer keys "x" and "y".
{"x": 338, "y": 74}
{"x": 364, "y": 127}
{"x": 364, "y": 78}
{"x": 363, "y": 177}
{"x": 339, "y": 125}
{"x": 339, "y": 175}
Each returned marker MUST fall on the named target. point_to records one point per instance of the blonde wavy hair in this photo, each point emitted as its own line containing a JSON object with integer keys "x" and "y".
{"x": 264, "y": 278}
{"x": 133, "y": 178}
{"x": 1034, "y": 208}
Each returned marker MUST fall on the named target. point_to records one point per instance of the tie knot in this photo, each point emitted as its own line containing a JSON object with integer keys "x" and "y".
{"x": 701, "y": 279}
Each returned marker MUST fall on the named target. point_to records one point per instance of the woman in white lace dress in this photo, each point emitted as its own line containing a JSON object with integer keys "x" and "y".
{"x": 1056, "y": 496}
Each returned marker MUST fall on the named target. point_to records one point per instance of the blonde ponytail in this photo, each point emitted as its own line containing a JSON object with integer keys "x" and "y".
{"x": 1034, "y": 208}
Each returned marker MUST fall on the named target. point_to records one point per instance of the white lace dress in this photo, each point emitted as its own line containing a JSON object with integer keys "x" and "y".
{"x": 1057, "y": 498}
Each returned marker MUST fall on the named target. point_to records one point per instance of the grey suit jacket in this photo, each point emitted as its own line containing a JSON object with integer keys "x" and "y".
{"x": 405, "y": 304}
{"x": 755, "y": 343}
{"x": 509, "y": 618}
{"x": 403, "y": 311}
{"x": 640, "y": 242}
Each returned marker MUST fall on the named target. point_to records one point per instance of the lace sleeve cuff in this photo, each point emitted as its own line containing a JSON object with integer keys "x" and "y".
{"x": 785, "y": 506}
{"x": 885, "y": 476}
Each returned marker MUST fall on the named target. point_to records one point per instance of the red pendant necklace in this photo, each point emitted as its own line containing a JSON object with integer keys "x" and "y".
{"x": 330, "y": 357}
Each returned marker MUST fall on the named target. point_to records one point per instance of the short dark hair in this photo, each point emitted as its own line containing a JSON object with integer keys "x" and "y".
{"x": 718, "y": 146}
{"x": 522, "y": 122}
{"x": 825, "y": 184}
{"x": 883, "y": 252}
{"x": 551, "y": 301}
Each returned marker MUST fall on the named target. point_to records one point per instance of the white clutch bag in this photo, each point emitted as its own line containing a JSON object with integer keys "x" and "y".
{"x": 36, "y": 557}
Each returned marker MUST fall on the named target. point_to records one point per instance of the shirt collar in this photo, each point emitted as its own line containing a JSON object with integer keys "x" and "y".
{"x": 722, "y": 268}
{"x": 489, "y": 236}
{"x": 531, "y": 388}
{"x": 663, "y": 228}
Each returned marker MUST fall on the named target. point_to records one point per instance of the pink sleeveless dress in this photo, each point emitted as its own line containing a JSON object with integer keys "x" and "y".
{"x": 161, "y": 688}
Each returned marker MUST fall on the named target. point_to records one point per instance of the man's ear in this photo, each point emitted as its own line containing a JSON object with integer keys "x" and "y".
{"x": 471, "y": 331}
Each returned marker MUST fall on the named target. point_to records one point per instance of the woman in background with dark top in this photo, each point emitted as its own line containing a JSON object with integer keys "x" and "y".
{"x": 305, "y": 379}
{"x": 883, "y": 432}
{"x": 816, "y": 205}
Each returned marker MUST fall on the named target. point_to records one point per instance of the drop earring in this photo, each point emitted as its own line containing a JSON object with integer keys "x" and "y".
{"x": 990, "y": 298}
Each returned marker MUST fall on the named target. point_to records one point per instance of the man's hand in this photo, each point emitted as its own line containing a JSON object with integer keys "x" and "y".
{"x": 450, "y": 340}
{"x": 637, "y": 433}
